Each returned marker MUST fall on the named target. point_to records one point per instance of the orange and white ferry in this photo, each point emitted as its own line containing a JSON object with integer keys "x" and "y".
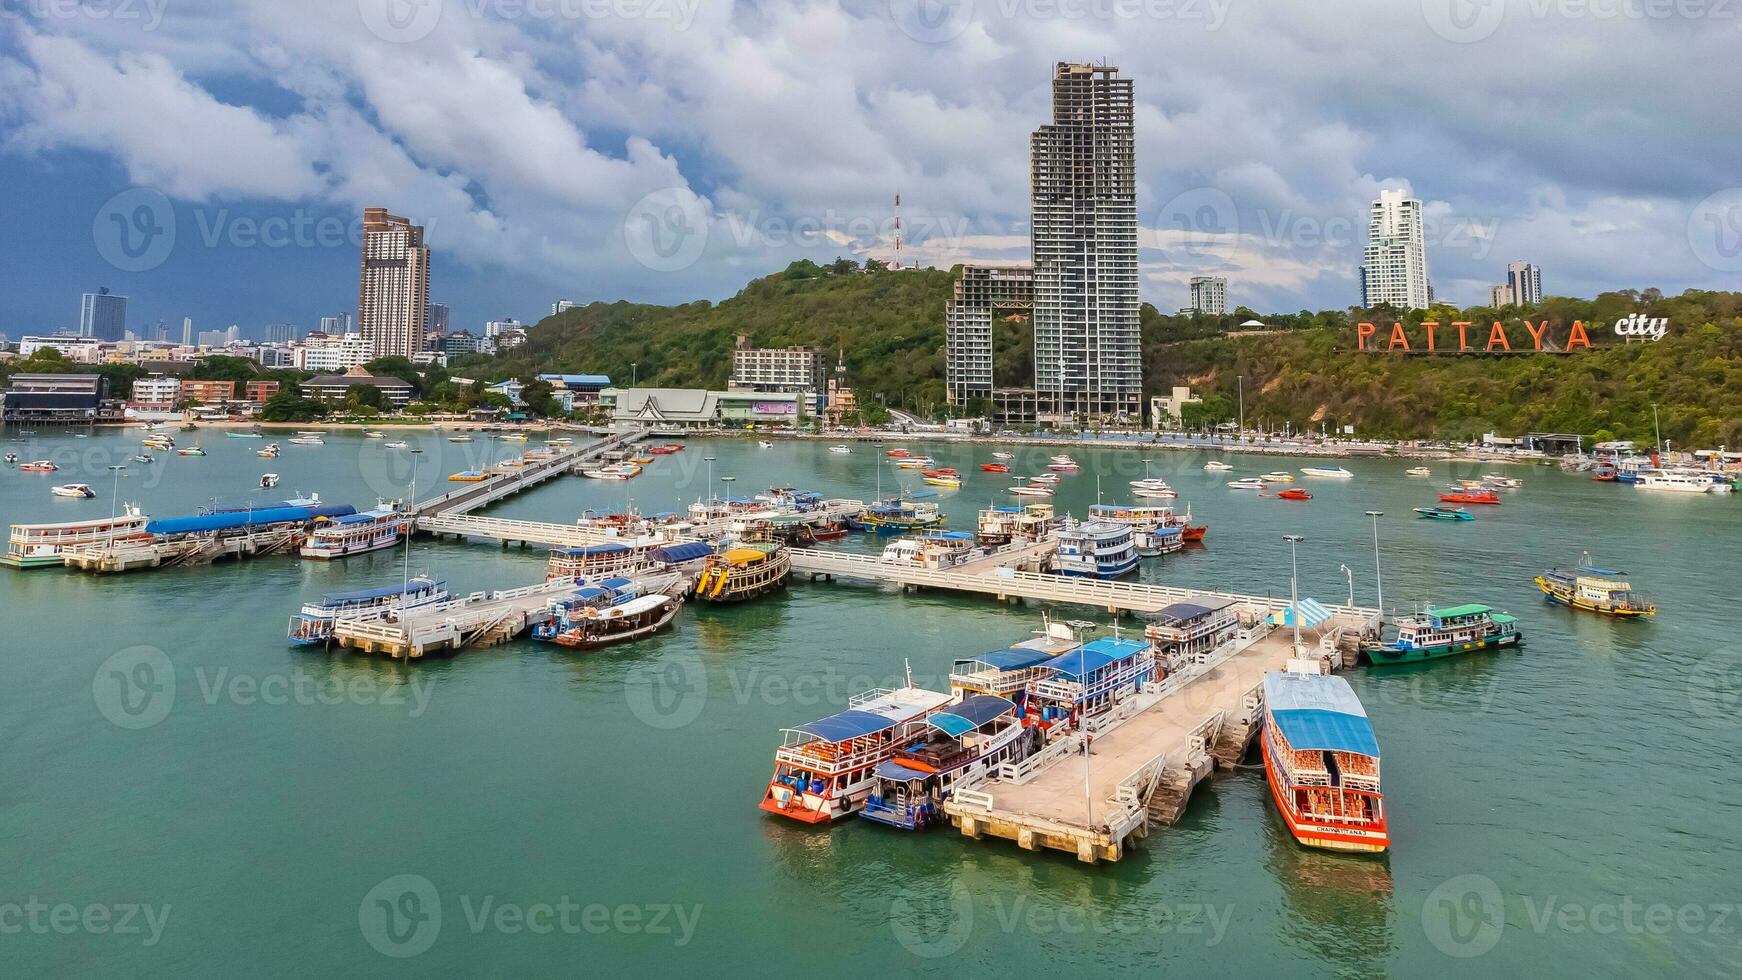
{"x": 825, "y": 769}
{"x": 1322, "y": 761}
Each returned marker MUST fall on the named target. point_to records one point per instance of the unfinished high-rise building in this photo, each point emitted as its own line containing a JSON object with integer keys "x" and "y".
{"x": 984, "y": 294}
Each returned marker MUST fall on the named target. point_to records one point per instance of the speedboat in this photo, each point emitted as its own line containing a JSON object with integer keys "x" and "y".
{"x": 1217, "y": 466}
{"x": 13, "y": 457}
{"x": 1047, "y": 478}
{"x": 39, "y": 466}
{"x": 840, "y": 450}
{"x": 1150, "y": 485}
{"x": 268, "y": 481}
{"x": 1502, "y": 482}
{"x": 395, "y": 445}
{"x": 372, "y": 434}
{"x": 460, "y": 438}
{"x": 1022, "y": 491}
{"x": 896, "y": 453}
{"x": 1064, "y": 467}
{"x": 242, "y": 435}
{"x": 190, "y": 451}
{"x": 764, "y": 444}
{"x": 307, "y": 441}
{"x": 1334, "y": 472}
{"x": 1468, "y": 495}
{"x": 942, "y": 480}
{"x": 1418, "y": 471}
{"x": 72, "y": 490}
{"x": 994, "y": 468}
{"x": 1004, "y": 456}
{"x": 1249, "y": 483}
{"x": 1280, "y": 476}
{"x": 269, "y": 451}
{"x": 1295, "y": 493}
{"x": 136, "y": 457}
{"x": 1155, "y": 493}
{"x": 1445, "y": 513}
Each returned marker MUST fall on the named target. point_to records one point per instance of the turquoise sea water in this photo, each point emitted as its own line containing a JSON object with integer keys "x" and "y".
{"x": 1567, "y": 810}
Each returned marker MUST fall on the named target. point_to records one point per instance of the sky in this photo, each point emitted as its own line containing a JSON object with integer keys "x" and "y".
{"x": 211, "y": 158}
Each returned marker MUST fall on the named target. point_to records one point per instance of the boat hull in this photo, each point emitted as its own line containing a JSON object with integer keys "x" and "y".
{"x": 1386, "y": 655}
{"x": 1374, "y": 840}
{"x": 1560, "y": 597}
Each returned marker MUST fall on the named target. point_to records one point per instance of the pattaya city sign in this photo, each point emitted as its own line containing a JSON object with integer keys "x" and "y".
{"x": 1466, "y": 336}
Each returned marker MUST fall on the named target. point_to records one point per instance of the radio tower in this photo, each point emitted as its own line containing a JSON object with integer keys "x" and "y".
{"x": 896, "y": 264}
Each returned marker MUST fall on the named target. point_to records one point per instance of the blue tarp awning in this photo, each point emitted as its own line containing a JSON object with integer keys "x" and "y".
{"x": 1014, "y": 658}
{"x": 230, "y": 520}
{"x": 960, "y": 719}
{"x": 1319, "y": 712}
{"x": 597, "y": 549}
{"x": 1312, "y": 614}
{"x": 673, "y": 554}
{"x": 1093, "y": 656}
{"x": 851, "y": 723}
{"x": 617, "y": 583}
{"x": 364, "y": 595}
{"x": 896, "y": 772}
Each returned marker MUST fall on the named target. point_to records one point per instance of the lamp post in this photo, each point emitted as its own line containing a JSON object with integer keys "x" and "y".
{"x": 114, "y": 498}
{"x": 1378, "y": 579}
{"x": 1241, "y": 379}
{"x": 1294, "y": 587}
{"x": 726, "y": 490}
{"x": 634, "y": 373}
{"x": 1350, "y": 577}
{"x": 710, "y": 461}
{"x": 405, "y": 571}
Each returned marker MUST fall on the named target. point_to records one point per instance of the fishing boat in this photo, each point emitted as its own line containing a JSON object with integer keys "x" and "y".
{"x": 1321, "y": 760}
{"x": 896, "y": 516}
{"x": 268, "y": 451}
{"x": 825, "y": 769}
{"x": 594, "y": 626}
{"x": 1247, "y": 483}
{"x": 1333, "y": 472}
{"x": 1094, "y": 549}
{"x": 751, "y": 569}
{"x": 73, "y": 490}
{"x": 470, "y": 476}
{"x": 1604, "y": 591}
{"x": 596, "y": 561}
{"x": 139, "y": 458}
{"x": 1279, "y": 476}
{"x": 1445, "y": 513}
{"x": 936, "y": 551}
{"x": 1418, "y": 471}
{"x": 944, "y": 481}
{"x": 1500, "y": 481}
{"x": 1449, "y": 632}
{"x": 994, "y": 468}
{"x": 268, "y": 481}
{"x": 1217, "y": 466}
{"x": 1674, "y": 481}
{"x": 1469, "y": 495}
{"x": 1000, "y": 525}
{"x": 307, "y": 441}
{"x": 191, "y": 451}
{"x": 356, "y": 534}
{"x": 38, "y": 466}
{"x": 1295, "y": 493}
{"x": 1023, "y": 491}
{"x": 1006, "y": 457}
{"x": 314, "y": 624}
{"x": 840, "y": 450}
{"x": 959, "y": 743}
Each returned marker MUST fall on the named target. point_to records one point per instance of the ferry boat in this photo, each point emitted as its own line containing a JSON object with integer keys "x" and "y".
{"x": 744, "y": 572}
{"x": 356, "y": 534}
{"x": 994, "y": 468}
{"x": 1154, "y": 530}
{"x": 824, "y": 770}
{"x": 1095, "y": 549}
{"x": 1334, "y": 472}
{"x": 961, "y": 742}
{"x": 73, "y": 490}
{"x": 38, "y": 466}
{"x": 1437, "y": 633}
{"x": 1674, "y": 481}
{"x": 938, "y": 550}
{"x": 1217, "y": 466}
{"x": 1445, "y": 513}
{"x": 1088, "y": 681}
{"x": 1469, "y": 495}
{"x": 594, "y": 626}
{"x": 595, "y": 561}
{"x": 40, "y": 545}
{"x": 1321, "y": 760}
{"x": 895, "y": 516}
{"x": 1604, "y": 591}
{"x": 1247, "y": 483}
{"x": 314, "y": 624}
{"x": 1009, "y": 672}
{"x": 1001, "y": 525}
{"x": 840, "y": 450}
{"x": 1418, "y": 471}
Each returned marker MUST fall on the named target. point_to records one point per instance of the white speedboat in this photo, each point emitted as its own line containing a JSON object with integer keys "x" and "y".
{"x": 840, "y": 450}
{"x": 1047, "y": 478}
{"x": 72, "y": 490}
{"x": 395, "y": 445}
{"x": 1150, "y": 485}
{"x": 1280, "y": 476}
{"x": 1418, "y": 471}
{"x": 268, "y": 481}
{"x": 460, "y": 438}
{"x": 1155, "y": 493}
{"x": 1217, "y": 466}
{"x": 1249, "y": 483}
{"x": 307, "y": 441}
{"x": 191, "y": 451}
{"x": 1674, "y": 480}
{"x": 136, "y": 457}
{"x": 1334, "y": 472}
{"x": 764, "y": 444}
{"x": 1022, "y": 491}
{"x": 371, "y": 434}
{"x": 268, "y": 451}
{"x": 1502, "y": 482}
{"x": 13, "y": 457}
{"x": 1004, "y": 456}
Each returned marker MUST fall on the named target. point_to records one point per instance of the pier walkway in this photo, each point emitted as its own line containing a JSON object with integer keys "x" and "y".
{"x": 574, "y": 536}
{"x": 1144, "y": 758}
{"x": 509, "y": 482}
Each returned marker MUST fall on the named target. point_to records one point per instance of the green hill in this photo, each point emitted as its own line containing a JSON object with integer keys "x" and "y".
{"x": 889, "y": 327}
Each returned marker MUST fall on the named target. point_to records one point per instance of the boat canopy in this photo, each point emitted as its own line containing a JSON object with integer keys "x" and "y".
{"x": 1458, "y": 612}
{"x": 228, "y": 520}
{"x": 363, "y": 518}
{"x": 1312, "y": 614}
{"x": 590, "y": 592}
{"x": 1014, "y": 658}
{"x": 950, "y": 536}
{"x": 848, "y": 724}
{"x": 413, "y": 587}
{"x": 744, "y": 556}
{"x": 896, "y": 772}
{"x": 596, "y": 549}
{"x": 673, "y": 554}
{"x": 1319, "y": 712}
{"x": 616, "y": 584}
{"x": 1185, "y": 612}
{"x": 1010, "y": 509}
{"x": 971, "y": 713}
{"x": 1093, "y": 656}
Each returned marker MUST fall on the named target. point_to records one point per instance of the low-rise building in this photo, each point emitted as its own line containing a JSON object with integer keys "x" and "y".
{"x": 584, "y": 388}
{"x": 698, "y": 408}
{"x": 259, "y": 391}
{"x": 333, "y": 353}
{"x": 50, "y": 398}
{"x": 155, "y": 394}
{"x": 208, "y": 392}
{"x": 334, "y": 387}
{"x": 1165, "y": 410}
{"x": 462, "y": 342}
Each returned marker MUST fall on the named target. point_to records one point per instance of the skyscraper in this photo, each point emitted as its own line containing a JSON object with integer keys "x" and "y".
{"x": 561, "y": 305}
{"x": 187, "y": 331}
{"x": 102, "y": 315}
{"x": 393, "y": 289}
{"x": 1395, "y": 266}
{"x": 1525, "y": 281}
{"x": 983, "y": 293}
{"x": 438, "y": 319}
{"x": 1210, "y": 295}
{"x": 1087, "y": 358}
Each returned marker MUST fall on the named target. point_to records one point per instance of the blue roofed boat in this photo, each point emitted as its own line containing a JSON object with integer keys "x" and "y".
{"x": 1090, "y": 680}
{"x": 1008, "y": 672}
{"x": 356, "y": 534}
{"x": 243, "y": 519}
{"x": 610, "y": 558}
{"x": 825, "y": 768}
{"x": 1321, "y": 760}
{"x": 962, "y": 743}
{"x": 314, "y": 624}
{"x": 568, "y": 612}
{"x": 1095, "y": 549}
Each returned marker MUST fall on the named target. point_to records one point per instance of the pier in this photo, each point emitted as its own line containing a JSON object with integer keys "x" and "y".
{"x": 126, "y": 556}
{"x": 510, "y": 482}
{"x": 1144, "y": 757}
{"x": 546, "y": 534}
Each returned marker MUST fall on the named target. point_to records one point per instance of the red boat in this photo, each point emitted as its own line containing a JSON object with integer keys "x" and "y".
{"x": 1294, "y": 493}
{"x": 995, "y": 467}
{"x": 664, "y": 450}
{"x": 943, "y": 471}
{"x": 1190, "y": 533}
{"x": 1470, "y": 497}
{"x": 897, "y": 453}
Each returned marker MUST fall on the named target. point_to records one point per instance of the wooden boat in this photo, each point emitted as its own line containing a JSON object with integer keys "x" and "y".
{"x": 634, "y": 619}
{"x": 40, "y": 545}
{"x": 960, "y": 742}
{"x": 1445, "y": 513}
{"x": 1095, "y": 549}
{"x": 1448, "y": 632}
{"x": 824, "y": 770}
{"x": 744, "y": 572}
{"x": 896, "y": 515}
{"x": 314, "y": 624}
{"x": 356, "y": 534}
{"x": 1604, "y": 591}
{"x": 1321, "y": 760}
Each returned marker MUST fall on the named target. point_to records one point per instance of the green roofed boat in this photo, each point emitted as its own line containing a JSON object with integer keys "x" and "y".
{"x": 1449, "y": 632}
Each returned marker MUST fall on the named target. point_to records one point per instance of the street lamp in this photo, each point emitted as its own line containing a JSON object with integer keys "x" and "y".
{"x": 1350, "y": 576}
{"x": 1378, "y": 580}
{"x": 1294, "y": 587}
{"x": 1241, "y": 379}
{"x": 405, "y": 576}
{"x": 114, "y": 497}
{"x": 710, "y": 461}
{"x": 726, "y": 492}
{"x": 634, "y": 374}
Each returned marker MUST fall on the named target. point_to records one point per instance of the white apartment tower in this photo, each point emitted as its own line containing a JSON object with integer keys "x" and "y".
{"x": 1525, "y": 281}
{"x": 1087, "y": 354}
{"x": 1210, "y": 295}
{"x": 393, "y": 292}
{"x": 983, "y": 294}
{"x": 1395, "y": 261}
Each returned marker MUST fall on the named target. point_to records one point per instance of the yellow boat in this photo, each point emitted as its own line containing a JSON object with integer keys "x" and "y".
{"x": 641, "y": 460}
{"x": 744, "y": 572}
{"x": 1597, "y": 590}
{"x": 943, "y": 481}
{"x": 470, "y": 476}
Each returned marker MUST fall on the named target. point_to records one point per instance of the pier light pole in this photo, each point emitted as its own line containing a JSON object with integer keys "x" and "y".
{"x": 405, "y": 576}
{"x": 1241, "y": 379}
{"x": 114, "y": 498}
{"x": 1294, "y": 587}
{"x": 710, "y": 461}
{"x": 1378, "y": 578}
{"x": 1350, "y": 576}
